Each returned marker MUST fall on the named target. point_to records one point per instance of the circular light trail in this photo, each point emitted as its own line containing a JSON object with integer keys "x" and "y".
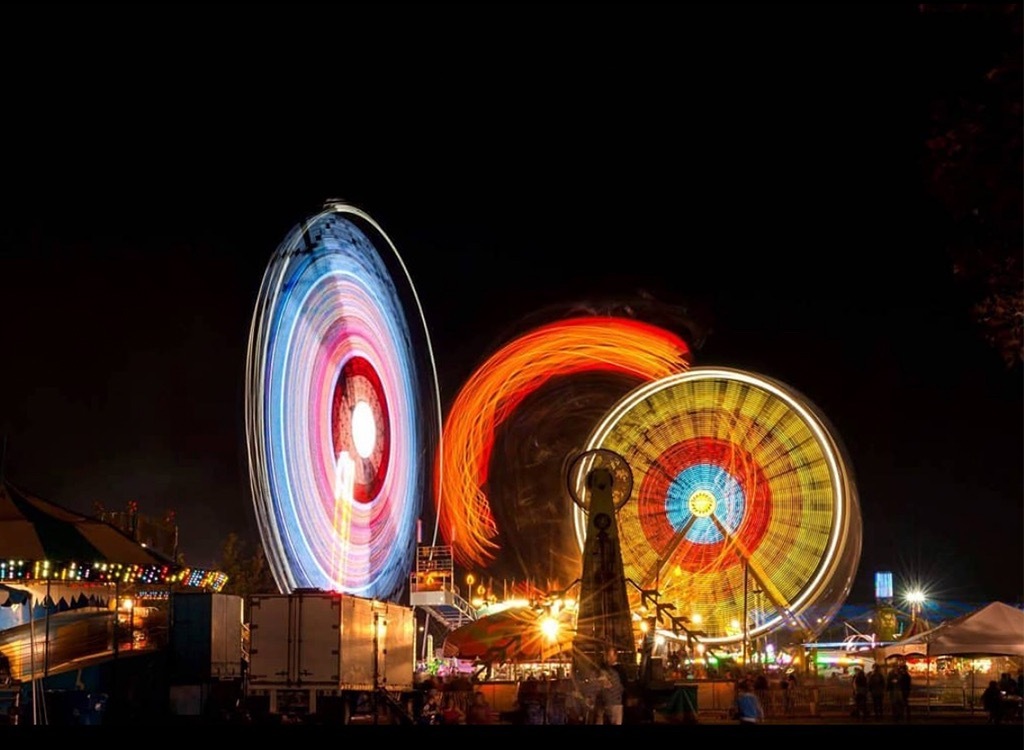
{"x": 342, "y": 408}
{"x": 744, "y": 508}
{"x": 586, "y": 344}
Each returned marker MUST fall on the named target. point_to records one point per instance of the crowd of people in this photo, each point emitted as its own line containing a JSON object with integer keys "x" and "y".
{"x": 871, "y": 690}
{"x": 599, "y": 699}
{"x": 453, "y": 701}
{"x": 879, "y": 693}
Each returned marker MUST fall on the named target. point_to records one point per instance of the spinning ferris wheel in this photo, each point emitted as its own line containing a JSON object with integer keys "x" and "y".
{"x": 743, "y": 512}
{"x": 342, "y": 408}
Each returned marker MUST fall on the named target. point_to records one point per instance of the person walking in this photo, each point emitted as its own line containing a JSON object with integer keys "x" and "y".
{"x": 876, "y": 691}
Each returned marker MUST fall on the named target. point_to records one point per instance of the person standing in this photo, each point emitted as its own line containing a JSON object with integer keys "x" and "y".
{"x": 992, "y": 702}
{"x": 860, "y": 694}
{"x": 789, "y": 685}
{"x": 892, "y": 688}
{"x": 876, "y": 690}
{"x": 761, "y": 688}
{"x": 612, "y": 680}
{"x": 903, "y": 678}
{"x": 479, "y": 711}
{"x": 748, "y": 706}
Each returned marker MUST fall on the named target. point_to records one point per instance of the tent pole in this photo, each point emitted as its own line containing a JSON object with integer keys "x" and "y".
{"x": 46, "y": 639}
{"x": 32, "y": 653}
{"x": 113, "y": 698}
{"x": 927, "y": 682}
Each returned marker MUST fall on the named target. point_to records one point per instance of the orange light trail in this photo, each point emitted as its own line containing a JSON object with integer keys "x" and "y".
{"x": 492, "y": 393}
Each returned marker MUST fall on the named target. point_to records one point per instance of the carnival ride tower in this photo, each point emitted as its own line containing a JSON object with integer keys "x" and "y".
{"x": 604, "y": 617}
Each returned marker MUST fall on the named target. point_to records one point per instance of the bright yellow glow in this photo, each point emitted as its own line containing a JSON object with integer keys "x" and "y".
{"x": 696, "y": 618}
{"x": 563, "y": 605}
{"x": 344, "y": 484}
{"x": 549, "y": 627}
{"x": 702, "y": 503}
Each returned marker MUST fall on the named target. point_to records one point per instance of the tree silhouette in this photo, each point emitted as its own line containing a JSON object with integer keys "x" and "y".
{"x": 248, "y": 574}
{"x": 975, "y": 162}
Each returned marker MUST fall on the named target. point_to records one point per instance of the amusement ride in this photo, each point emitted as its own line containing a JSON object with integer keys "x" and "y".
{"x": 715, "y": 504}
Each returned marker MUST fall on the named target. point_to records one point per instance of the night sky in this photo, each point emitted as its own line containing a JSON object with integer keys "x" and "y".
{"x": 763, "y": 170}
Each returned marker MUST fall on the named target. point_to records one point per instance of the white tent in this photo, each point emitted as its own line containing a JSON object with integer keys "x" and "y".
{"x": 997, "y": 629}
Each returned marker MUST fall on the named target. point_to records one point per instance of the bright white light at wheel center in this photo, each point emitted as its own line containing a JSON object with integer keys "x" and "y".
{"x": 364, "y": 429}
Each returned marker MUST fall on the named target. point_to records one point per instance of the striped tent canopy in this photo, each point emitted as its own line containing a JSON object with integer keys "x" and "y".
{"x": 34, "y": 530}
{"x": 511, "y": 635}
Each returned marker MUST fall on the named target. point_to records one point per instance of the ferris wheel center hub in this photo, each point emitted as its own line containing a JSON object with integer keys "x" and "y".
{"x": 701, "y": 503}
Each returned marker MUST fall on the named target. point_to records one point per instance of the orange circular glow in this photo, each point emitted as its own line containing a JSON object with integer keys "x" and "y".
{"x": 578, "y": 345}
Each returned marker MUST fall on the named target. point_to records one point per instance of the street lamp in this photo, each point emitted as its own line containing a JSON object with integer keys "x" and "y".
{"x": 915, "y": 599}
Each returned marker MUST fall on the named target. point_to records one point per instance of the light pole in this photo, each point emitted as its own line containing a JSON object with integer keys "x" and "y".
{"x": 757, "y": 624}
{"x": 915, "y": 599}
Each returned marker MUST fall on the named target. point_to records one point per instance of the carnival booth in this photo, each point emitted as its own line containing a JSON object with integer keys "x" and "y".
{"x": 968, "y": 651}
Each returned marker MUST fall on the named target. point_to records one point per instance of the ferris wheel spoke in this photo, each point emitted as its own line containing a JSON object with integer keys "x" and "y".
{"x": 654, "y": 574}
{"x": 760, "y": 576}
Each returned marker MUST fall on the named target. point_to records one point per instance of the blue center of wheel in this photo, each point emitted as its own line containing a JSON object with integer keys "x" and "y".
{"x": 701, "y": 493}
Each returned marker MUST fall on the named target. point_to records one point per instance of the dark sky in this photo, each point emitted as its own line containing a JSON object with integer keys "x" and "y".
{"x": 763, "y": 167}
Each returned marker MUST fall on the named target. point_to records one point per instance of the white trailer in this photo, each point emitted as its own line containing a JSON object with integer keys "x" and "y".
{"x": 326, "y": 656}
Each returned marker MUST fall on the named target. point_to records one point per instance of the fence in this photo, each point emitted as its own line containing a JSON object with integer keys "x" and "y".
{"x": 813, "y": 697}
